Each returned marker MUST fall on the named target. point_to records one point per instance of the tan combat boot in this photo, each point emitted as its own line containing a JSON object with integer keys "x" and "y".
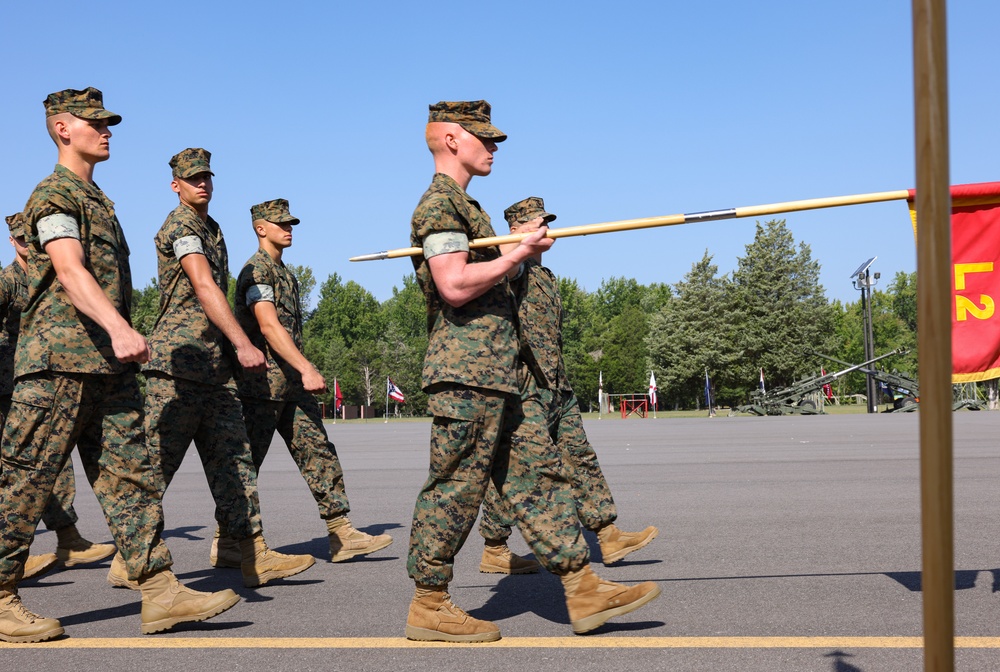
{"x": 225, "y": 551}
{"x": 347, "y": 542}
{"x": 591, "y": 600}
{"x": 433, "y": 618}
{"x": 72, "y": 549}
{"x": 261, "y": 565}
{"x": 166, "y": 602}
{"x": 36, "y": 565}
{"x": 118, "y": 574}
{"x": 20, "y": 626}
{"x": 616, "y": 544}
{"x": 499, "y": 559}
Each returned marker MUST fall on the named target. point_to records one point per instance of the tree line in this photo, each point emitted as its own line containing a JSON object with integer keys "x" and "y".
{"x": 769, "y": 314}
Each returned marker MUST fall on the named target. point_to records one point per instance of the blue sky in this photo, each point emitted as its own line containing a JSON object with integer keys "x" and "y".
{"x": 613, "y": 112}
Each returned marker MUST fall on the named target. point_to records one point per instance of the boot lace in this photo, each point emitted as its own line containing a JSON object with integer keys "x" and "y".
{"x": 20, "y": 611}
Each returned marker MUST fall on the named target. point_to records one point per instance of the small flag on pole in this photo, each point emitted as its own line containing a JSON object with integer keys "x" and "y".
{"x": 762, "y": 381}
{"x": 827, "y": 389}
{"x": 394, "y": 392}
{"x": 652, "y": 390}
{"x": 338, "y": 398}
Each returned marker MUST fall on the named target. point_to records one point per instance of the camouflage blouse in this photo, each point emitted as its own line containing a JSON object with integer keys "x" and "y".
{"x": 13, "y": 297}
{"x": 185, "y": 343}
{"x": 539, "y": 312}
{"x": 474, "y": 344}
{"x": 55, "y": 335}
{"x": 264, "y": 279}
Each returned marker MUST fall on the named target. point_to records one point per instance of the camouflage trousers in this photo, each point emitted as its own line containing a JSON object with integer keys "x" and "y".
{"x": 179, "y": 412}
{"x": 102, "y": 416}
{"x": 299, "y": 422}
{"x": 595, "y": 505}
{"x": 467, "y": 451}
{"x": 59, "y": 511}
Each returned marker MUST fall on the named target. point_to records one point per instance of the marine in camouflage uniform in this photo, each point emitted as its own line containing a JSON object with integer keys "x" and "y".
{"x": 549, "y": 406}
{"x": 281, "y": 399}
{"x": 471, "y": 373}
{"x": 59, "y": 511}
{"x": 191, "y": 392}
{"x": 190, "y": 388}
{"x": 59, "y": 514}
{"x": 76, "y": 382}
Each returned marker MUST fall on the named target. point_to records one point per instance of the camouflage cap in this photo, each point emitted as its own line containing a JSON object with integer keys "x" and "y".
{"x": 16, "y": 224}
{"x": 473, "y": 116}
{"x": 526, "y": 210}
{"x": 275, "y": 211}
{"x": 86, "y": 104}
{"x": 190, "y": 162}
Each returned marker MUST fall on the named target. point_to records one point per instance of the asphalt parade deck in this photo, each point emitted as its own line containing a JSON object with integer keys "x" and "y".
{"x": 788, "y": 543}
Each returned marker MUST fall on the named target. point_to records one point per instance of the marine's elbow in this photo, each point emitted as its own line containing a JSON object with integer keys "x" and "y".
{"x": 455, "y": 298}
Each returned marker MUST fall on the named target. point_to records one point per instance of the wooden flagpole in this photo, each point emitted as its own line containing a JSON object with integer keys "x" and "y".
{"x": 666, "y": 220}
{"x": 934, "y": 332}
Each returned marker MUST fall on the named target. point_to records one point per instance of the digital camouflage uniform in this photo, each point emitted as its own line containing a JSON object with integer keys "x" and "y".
{"x": 59, "y": 511}
{"x": 550, "y": 406}
{"x": 275, "y": 399}
{"x": 471, "y": 373}
{"x": 190, "y": 390}
{"x": 72, "y": 390}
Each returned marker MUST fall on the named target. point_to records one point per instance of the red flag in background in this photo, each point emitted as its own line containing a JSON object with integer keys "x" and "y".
{"x": 975, "y": 255}
{"x": 338, "y": 398}
{"x": 828, "y": 388}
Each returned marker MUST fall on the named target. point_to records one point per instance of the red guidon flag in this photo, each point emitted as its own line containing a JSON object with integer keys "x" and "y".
{"x": 975, "y": 280}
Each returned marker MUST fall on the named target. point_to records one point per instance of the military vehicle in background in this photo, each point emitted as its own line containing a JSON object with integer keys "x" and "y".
{"x": 798, "y": 398}
{"x": 905, "y": 391}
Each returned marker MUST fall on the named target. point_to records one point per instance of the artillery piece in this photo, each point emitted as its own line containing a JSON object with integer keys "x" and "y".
{"x": 794, "y": 399}
{"x": 905, "y": 390}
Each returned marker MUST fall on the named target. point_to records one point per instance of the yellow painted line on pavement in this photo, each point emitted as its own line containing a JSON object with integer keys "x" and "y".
{"x": 506, "y": 643}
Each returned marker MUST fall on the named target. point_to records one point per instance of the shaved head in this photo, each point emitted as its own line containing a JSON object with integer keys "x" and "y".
{"x": 437, "y": 132}
{"x": 50, "y": 124}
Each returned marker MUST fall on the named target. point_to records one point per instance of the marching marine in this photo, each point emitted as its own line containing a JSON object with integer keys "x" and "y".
{"x": 76, "y": 366}
{"x": 281, "y": 399}
{"x": 59, "y": 515}
{"x": 550, "y": 395}
{"x": 474, "y": 379}
{"x": 190, "y": 387}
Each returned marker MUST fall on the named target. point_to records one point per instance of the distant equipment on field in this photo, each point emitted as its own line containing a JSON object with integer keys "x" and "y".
{"x": 797, "y": 399}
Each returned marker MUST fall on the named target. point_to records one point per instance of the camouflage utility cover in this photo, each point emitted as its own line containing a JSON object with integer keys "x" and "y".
{"x": 58, "y": 337}
{"x": 190, "y": 162}
{"x": 539, "y": 312}
{"x": 472, "y": 115}
{"x": 13, "y": 298}
{"x": 86, "y": 104}
{"x": 527, "y": 210}
{"x": 264, "y": 279}
{"x": 275, "y": 211}
{"x": 15, "y": 223}
{"x": 184, "y": 342}
{"x": 474, "y": 344}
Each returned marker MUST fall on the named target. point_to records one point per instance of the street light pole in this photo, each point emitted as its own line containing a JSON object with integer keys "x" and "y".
{"x": 863, "y": 280}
